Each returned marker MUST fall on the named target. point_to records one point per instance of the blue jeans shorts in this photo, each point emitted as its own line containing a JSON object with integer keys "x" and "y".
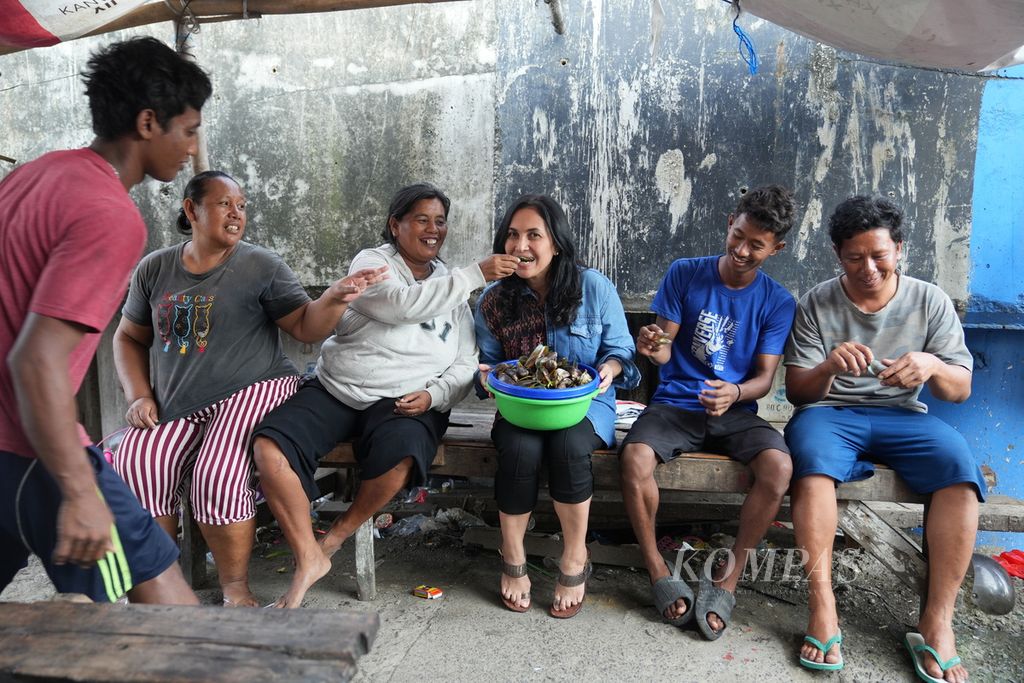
{"x": 844, "y": 442}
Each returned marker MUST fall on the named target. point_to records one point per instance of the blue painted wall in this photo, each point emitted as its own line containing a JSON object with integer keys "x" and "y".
{"x": 992, "y": 418}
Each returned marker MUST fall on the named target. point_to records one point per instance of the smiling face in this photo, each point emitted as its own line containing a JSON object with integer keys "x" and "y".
{"x": 170, "y": 150}
{"x": 218, "y": 219}
{"x": 530, "y": 240}
{"x": 420, "y": 233}
{"x": 747, "y": 246}
{"x": 869, "y": 260}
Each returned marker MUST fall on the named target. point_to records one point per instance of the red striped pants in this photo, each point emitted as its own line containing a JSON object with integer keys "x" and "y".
{"x": 211, "y": 445}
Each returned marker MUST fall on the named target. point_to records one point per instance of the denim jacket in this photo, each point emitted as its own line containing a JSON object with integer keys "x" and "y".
{"x": 598, "y": 333}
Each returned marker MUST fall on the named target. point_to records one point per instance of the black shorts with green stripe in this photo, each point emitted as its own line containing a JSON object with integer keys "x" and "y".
{"x": 29, "y": 500}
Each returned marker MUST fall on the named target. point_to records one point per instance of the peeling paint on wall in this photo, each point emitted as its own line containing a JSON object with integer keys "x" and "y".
{"x": 673, "y": 185}
{"x": 826, "y": 123}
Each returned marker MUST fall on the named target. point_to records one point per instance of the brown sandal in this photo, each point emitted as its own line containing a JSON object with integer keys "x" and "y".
{"x": 567, "y": 581}
{"x": 514, "y": 571}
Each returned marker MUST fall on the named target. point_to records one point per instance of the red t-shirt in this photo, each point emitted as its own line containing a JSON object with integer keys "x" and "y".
{"x": 69, "y": 238}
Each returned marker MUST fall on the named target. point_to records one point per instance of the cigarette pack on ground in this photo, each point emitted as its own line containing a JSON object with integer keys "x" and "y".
{"x": 427, "y": 592}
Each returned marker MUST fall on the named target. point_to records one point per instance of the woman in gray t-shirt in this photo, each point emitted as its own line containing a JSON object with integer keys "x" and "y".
{"x": 199, "y": 356}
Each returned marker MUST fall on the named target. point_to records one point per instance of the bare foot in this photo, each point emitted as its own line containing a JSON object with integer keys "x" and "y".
{"x": 516, "y": 590}
{"x": 570, "y": 596}
{"x": 940, "y": 637}
{"x": 822, "y": 625}
{"x": 237, "y": 594}
{"x": 308, "y": 570}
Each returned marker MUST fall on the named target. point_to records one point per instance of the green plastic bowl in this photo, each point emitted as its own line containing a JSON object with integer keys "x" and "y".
{"x": 542, "y": 414}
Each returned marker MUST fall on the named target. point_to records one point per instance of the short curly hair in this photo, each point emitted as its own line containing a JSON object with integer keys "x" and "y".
{"x": 125, "y": 78}
{"x": 861, "y": 213}
{"x": 771, "y": 207}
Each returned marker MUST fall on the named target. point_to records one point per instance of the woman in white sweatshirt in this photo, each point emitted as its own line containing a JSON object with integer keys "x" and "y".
{"x": 391, "y": 373}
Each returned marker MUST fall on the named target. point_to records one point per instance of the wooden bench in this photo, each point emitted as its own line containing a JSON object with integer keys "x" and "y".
{"x": 872, "y": 513}
{"x": 467, "y": 451}
{"x": 92, "y": 642}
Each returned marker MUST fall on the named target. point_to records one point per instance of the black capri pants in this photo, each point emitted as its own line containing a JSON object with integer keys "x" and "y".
{"x": 522, "y": 455}
{"x": 312, "y": 422}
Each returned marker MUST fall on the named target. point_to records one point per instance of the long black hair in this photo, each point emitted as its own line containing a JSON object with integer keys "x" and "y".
{"x": 565, "y": 281}
{"x": 196, "y": 190}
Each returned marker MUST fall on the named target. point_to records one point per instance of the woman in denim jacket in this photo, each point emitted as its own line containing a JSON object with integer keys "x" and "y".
{"x": 574, "y": 310}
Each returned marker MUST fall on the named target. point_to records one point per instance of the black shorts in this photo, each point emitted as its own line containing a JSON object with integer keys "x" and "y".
{"x": 312, "y": 422}
{"x": 671, "y": 431}
{"x": 29, "y": 501}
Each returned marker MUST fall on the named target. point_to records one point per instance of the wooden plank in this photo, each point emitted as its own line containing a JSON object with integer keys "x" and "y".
{"x": 93, "y": 642}
{"x": 698, "y": 472}
{"x": 998, "y": 513}
{"x": 890, "y": 546}
{"x": 366, "y": 567}
{"x": 193, "y": 547}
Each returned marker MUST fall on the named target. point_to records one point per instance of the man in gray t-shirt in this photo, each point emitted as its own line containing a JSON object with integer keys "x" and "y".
{"x": 862, "y": 347}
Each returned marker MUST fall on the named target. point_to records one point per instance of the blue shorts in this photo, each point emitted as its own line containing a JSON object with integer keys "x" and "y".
{"x": 843, "y": 442}
{"x": 29, "y": 499}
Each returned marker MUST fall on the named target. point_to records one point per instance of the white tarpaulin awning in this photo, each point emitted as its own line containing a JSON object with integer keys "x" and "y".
{"x": 36, "y": 23}
{"x": 979, "y": 35}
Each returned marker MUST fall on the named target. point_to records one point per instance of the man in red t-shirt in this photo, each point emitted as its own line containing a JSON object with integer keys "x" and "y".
{"x": 69, "y": 238}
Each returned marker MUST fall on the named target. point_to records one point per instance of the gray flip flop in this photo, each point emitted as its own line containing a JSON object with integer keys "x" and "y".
{"x": 666, "y": 591}
{"x": 710, "y": 598}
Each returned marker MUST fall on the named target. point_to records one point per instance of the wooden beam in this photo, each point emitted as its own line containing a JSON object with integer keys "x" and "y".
{"x": 193, "y": 546}
{"x": 93, "y": 642}
{"x": 998, "y": 513}
{"x": 890, "y": 546}
{"x": 690, "y": 472}
{"x": 366, "y": 565}
{"x": 220, "y": 10}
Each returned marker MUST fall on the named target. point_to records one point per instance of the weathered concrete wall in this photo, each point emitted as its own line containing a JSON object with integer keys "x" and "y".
{"x": 320, "y": 117}
{"x": 649, "y": 141}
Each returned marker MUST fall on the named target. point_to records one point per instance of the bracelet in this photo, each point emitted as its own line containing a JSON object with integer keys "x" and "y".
{"x": 739, "y": 393}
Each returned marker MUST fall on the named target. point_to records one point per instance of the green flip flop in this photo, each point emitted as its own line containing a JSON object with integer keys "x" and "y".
{"x": 837, "y": 639}
{"x": 917, "y": 647}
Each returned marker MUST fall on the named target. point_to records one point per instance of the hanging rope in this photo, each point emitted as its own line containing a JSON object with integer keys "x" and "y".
{"x": 186, "y": 25}
{"x": 746, "y": 48}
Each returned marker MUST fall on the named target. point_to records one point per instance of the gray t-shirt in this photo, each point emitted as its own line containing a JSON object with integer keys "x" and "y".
{"x": 920, "y": 317}
{"x": 214, "y": 333}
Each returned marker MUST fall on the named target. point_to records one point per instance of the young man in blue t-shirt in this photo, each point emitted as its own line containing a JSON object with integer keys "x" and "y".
{"x": 721, "y": 330}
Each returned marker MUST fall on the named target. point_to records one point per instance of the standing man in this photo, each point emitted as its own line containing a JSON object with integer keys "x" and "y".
{"x": 69, "y": 237}
{"x": 863, "y": 345}
{"x": 721, "y": 329}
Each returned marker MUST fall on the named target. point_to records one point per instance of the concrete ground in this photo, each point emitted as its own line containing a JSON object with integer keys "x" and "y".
{"x": 468, "y": 636}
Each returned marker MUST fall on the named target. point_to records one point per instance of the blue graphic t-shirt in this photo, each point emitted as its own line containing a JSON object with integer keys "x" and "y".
{"x": 721, "y": 330}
